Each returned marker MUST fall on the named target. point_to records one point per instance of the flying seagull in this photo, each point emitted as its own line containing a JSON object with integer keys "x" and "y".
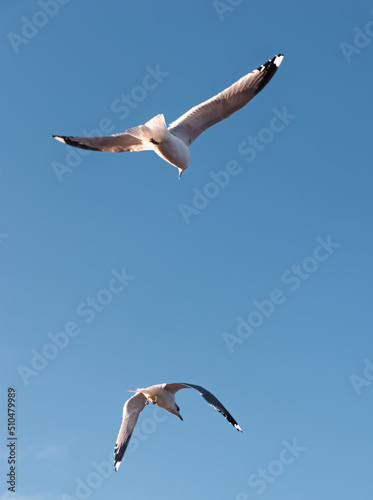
{"x": 162, "y": 395}
{"x": 172, "y": 143}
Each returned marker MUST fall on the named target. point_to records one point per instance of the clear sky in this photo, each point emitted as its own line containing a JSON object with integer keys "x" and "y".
{"x": 251, "y": 276}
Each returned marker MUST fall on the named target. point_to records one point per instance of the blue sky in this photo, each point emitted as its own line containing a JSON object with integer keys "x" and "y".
{"x": 261, "y": 294}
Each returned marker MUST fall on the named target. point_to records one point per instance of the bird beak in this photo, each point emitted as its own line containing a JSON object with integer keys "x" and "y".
{"x": 181, "y": 418}
{"x": 180, "y": 172}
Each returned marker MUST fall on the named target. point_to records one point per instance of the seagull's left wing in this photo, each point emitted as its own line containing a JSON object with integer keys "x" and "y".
{"x": 117, "y": 143}
{"x": 210, "y": 398}
{"x": 131, "y": 411}
{"x": 192, "y": 123}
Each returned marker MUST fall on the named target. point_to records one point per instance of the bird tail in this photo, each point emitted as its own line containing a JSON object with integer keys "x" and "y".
{"x": 154, "y": 130}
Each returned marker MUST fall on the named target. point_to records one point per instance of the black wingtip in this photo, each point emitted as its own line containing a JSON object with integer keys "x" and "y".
{"x": 72, "y": 141}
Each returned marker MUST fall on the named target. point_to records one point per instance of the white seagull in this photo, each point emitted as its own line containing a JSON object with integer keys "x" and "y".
{"x": 162, "y": 395}
{"x": 172, "y": 143}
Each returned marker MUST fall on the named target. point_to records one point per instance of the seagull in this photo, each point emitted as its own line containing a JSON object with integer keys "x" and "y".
{"x": 172, "y": 143}
{"x": 162, "y": 395}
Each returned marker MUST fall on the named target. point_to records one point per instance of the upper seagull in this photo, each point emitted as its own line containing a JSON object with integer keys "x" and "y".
{"x": 162, "y": 395}
{"x": 172, "y": 143}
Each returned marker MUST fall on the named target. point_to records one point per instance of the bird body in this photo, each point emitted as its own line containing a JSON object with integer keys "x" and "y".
{"x": 172, "y": 143}
{"x": 175, "y": 151}
{"x": 167, "y": 145}
{"x": 162, "y": 395}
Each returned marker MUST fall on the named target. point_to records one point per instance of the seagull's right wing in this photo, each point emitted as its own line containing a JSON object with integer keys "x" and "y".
{"x": 192, "y": 123}
{"x": 131, "y": 411}
{"x": 207, "y": 396}
{"x": 117, "y": 143}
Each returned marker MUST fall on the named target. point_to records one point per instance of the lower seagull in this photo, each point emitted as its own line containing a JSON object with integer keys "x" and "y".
{"x": 162, "y": 395}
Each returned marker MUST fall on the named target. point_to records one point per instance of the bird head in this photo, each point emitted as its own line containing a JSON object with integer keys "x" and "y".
{"x": 176, "y": 411}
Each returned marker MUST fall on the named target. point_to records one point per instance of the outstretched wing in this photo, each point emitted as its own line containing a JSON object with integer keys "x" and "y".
{"x": 117, "y": 143}
{"x": 192, "y": 123}
{"x": 131, "y": 411}
{"x": 210, "y": 398}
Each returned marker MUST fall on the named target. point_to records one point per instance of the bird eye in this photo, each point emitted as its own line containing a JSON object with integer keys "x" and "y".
{"x": 178, "y": 409}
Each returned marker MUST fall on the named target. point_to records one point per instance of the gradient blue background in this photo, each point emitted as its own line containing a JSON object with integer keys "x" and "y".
{"x": 61, "y": 240}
